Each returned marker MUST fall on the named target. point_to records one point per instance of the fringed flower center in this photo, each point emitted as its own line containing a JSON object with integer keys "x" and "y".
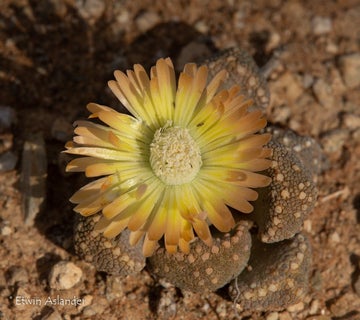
{"x": 174, "y": 155}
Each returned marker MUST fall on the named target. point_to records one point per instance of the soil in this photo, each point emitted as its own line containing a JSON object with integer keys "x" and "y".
{"x": 57, "y": 55}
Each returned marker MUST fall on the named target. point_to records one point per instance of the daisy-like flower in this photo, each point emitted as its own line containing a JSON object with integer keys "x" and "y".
{"x": 187, "y": 153}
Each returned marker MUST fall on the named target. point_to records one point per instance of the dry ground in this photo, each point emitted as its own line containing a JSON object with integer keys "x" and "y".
{"x": 57, "y": 55}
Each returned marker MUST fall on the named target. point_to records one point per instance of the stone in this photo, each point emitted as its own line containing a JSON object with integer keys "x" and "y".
{"x": 96, "y": 308}
{"x": 277, "y": 275}
{"x": 6, "y": 230}
{"x": 321, "y": 25}
{"x": 289, "y": 86}
{"x": 87, "y": 301}
{"x": 193, "y": 51}
{"x": 344, "y": 304}
{"x": 356, "y": 285}
{"x": 351, "y": 121}
{"x": 64, "y": 275}
{"x": 350, "y": 69}
{"x": 61, "y": 130}
{"x": 7, "y": 118}
{"x": 334, "y": 140}
{"x": 90, "y": 10}
{"x": 147, "y": 20}
{"x": 53, "y": 314}
{"x": 8, "y": 161}
{"x": 6, "y": 142}
{"x": 296, "y": 307}
{"x": 17, "y": 275}
{"x": 33, "y": 177}
{"x": 324, "y": 93}
{"x": 272, "y": 316}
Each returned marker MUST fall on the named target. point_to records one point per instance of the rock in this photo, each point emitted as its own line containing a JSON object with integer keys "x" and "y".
{"x": 314, "y": 307}
{"x": 96, "y": 308}
{"x": 356, "y": 285}
{"x": 115, "y": 256}
{"x": 6, "y": 142}
{"x": 350, "y": 68}
{"x": 166, "y": 306}
{"x": 90, "y": 9}
{"x": 193, "y": 51}
{"x": 87, "y": 301}
{"x": 277, "y": 275}
{"x": 8, "y": 161}
{"x": 17, "y": 275}
{"x": 205, "y": 268}
{"x": 64, "y": 275}
{"x": 33, "y": 177}
{"x": 324, "y": 93}
{"x": 7, "y": 118}
{"x": 114, "y": 288}
{"x": 289, "y": 86}
{"x": 351, "y": 121}
{"x": 285, "y": 316}
{"x": 345, "y": 304}
{"x": 53, "y": 314}
{"x": 272, "y": 316}
{"x": 296, "y": 307}
{"x": 147, "y": 20}
{"x": 334, "y": 140}
{"x": 61, "y": 130}
{"x": 5, "y": 230}
{"x": 321, "y": 25}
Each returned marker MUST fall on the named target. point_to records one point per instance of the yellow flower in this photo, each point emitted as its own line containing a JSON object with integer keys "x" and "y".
{"x": 187, "y": 152}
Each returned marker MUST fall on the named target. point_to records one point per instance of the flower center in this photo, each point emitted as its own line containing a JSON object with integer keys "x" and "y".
{"x": 174, "y": 155}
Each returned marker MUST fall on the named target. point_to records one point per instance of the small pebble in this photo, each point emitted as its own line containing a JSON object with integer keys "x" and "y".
{"x": 90, "y": 9}
{"x": 87, "y": 300}
{"x": 64, "y": 275}
{"x": 5, "y": 231}
{"x": 334, "y": 140}
{"x": 201, "y": 26}
{"x": 114, "y": 287}
{"x": 289, "y": 85}
{"x": 17, "y": 275}
{"x": 61, "y": 130}
{"x": 147, "y": 20}
{"x": 345, "y": 304}
{"x": 285, "y": 316}
{"x": 296, "y": 307}
{"x": 7, "y": 117}
{"x": 351, "y": 121}
{"x": 33, "y": 177}
{"x": 97, "y": 308}
{"x": 272, "y": 316}
{"x": 321, "y": 25}
{"x": 334, "y": 237}
{"x": 322, "y": 317}
{"x": 53, "y": 314}
{"x": 193, "y": 51}
{"x": 8, "y": 161}
{"x": 6, "y": 142}
{"x": 324, "y": 93}
{"x": 350, "y": 68}
{"x": 314, "y": 307}
{"x": 356, "y": 286}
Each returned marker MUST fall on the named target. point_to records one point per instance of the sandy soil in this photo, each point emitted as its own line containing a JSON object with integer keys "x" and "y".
{"x": 57, "y": 55}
